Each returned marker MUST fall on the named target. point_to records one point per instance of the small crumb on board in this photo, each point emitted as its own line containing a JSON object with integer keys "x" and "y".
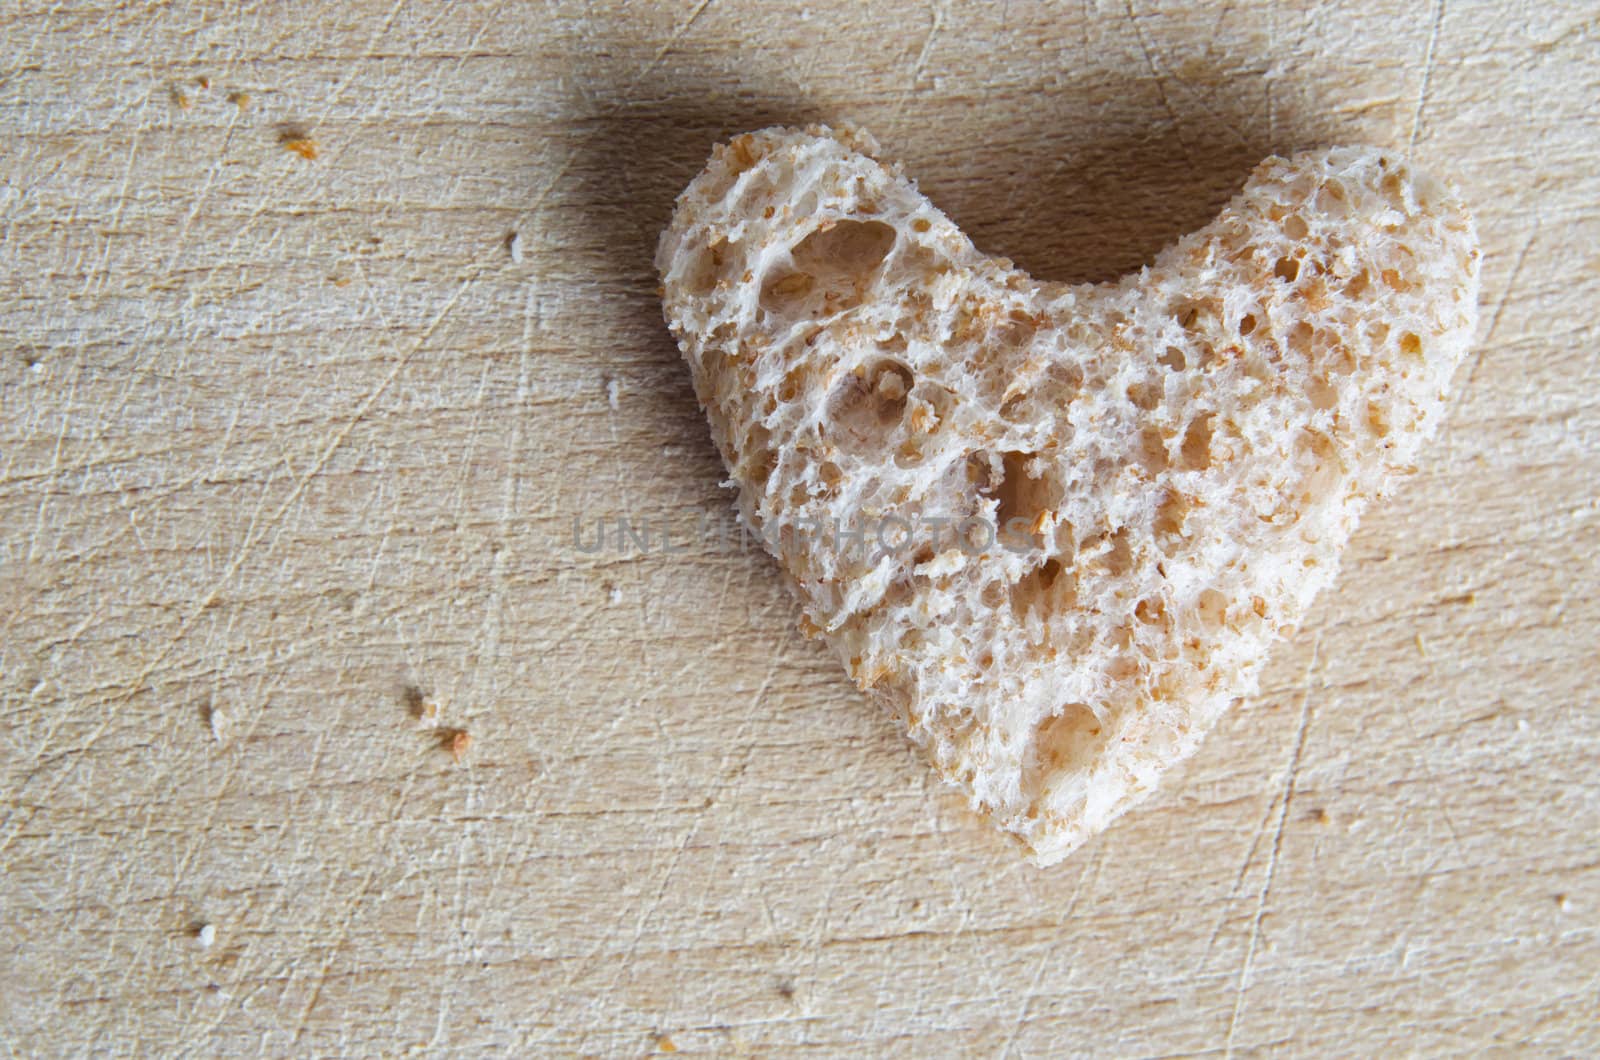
{"x": 421, "y": 708}
{"x": 205, "y": 936}
{"x": 217, "y": 719}
{"x": 457, "y": 741}
{"x": 296, "y": 140}
{"x": 514, "y": 247}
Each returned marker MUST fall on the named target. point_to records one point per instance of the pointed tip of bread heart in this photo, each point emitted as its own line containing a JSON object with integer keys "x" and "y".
{"x": 1055, "y": 529}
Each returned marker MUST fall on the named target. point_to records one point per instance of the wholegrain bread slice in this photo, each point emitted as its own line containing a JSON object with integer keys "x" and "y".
{"x": 1055, "y": 529}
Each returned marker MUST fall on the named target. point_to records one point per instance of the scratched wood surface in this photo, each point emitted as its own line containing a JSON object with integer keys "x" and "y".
{"x": 291, "y": 450}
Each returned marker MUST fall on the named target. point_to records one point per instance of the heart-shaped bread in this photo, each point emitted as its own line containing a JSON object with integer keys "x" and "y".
{"x": 1056, "y": 528}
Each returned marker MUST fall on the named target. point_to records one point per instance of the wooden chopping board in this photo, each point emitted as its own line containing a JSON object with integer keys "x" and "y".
{"x": 323, "y": 735}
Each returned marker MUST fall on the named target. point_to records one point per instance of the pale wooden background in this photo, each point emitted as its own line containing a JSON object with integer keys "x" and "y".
{"x": 284, "y": 439}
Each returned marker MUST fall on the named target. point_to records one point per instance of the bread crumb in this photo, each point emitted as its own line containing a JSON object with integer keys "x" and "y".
{"x": 299, "y": 142}
{"x": 420, "y": 706}
{"x": 217, "y": 719}
{"x": 665, "y": 1044}
{"x": 514, "y": 245}
{"x": 204, "y": 82}
{"x": 616, "y": 595}
{"x": 180, "y": 98}
{"x": 206, "y": 936}
{"x": 1422, "y": 647}
{"x": 240, "y": 99}
{"x": 457, "y": 742}
{"x": 613, "y": 393}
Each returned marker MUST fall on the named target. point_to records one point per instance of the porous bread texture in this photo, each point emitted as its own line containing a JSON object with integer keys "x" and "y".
{"x": 1181, "y": 455}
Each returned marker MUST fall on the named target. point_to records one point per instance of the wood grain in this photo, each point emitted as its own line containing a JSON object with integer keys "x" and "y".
{"x": 288, "y": 445}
